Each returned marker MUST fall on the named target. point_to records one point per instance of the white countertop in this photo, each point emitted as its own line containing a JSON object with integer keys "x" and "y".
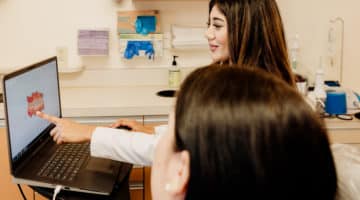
{"x": 112, "y": 101}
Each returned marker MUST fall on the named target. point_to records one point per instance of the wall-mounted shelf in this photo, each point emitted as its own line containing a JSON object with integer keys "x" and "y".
{"x": 71, "y": 69}
{"x": 75, "y": 69}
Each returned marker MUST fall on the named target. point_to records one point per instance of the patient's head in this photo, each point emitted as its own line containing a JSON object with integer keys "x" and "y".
{"x": 242, "y": 132}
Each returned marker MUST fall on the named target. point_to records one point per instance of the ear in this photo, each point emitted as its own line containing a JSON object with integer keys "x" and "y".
{"x": 180, "y": 175}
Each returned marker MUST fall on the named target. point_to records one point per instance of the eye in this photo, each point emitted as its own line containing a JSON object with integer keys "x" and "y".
{"x": 217, "y": 26}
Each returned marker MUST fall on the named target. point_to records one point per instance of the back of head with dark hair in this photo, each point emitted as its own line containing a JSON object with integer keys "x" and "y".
{"x": 250, "y": 135}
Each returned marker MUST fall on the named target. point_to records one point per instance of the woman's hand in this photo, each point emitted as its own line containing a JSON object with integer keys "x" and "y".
{"x": 133, "y": 125}
{"x": 67, "y": 130}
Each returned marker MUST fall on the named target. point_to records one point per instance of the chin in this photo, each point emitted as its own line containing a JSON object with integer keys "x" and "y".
{"x": 215, "y": 59}
{"x": 219, "y": 58}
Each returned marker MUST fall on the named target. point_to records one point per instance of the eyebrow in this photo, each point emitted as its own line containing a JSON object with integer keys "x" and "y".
{"x": 218, "y": 19}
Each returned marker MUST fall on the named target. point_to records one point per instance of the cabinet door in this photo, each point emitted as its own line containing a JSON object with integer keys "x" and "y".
{"x": 136, "y": 183}
{"x": 9, "y": 190}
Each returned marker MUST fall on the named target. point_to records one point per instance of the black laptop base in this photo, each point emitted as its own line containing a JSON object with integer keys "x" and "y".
{"x": 120, "y": 190}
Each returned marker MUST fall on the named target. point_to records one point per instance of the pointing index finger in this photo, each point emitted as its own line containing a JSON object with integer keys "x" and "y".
{"x": 47, "y": 117}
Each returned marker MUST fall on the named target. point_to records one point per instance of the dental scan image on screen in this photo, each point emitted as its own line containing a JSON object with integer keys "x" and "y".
{"x": 35, "y": 90}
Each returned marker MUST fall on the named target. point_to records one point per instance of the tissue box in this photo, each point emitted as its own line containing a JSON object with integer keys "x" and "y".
{"x": 93, "y": 42}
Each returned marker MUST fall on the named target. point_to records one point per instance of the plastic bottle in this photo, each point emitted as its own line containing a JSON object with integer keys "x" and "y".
{"x": 294, "y": 51}
{"x": 319, "y": 83}
{"x": 174, "y": 74}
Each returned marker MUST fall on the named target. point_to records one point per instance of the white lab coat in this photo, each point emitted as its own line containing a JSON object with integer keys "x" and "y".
{"x": 122, "y": 145}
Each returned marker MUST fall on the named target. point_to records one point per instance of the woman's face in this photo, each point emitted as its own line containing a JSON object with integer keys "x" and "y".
{"x": 217, "y": 35}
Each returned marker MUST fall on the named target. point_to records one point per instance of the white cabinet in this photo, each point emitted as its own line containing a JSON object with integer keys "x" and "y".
{"x": 343, "y": 131}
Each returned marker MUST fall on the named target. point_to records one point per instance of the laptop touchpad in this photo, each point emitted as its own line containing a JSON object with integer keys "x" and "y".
{"x": 100, "y": 165}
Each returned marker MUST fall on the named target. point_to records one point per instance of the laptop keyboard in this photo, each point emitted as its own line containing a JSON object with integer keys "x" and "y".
{"x": 66, "y": 162}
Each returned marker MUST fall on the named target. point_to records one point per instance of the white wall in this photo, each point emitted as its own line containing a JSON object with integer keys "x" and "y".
{"x": 310, "y": 19}
{"x": 31, "y": 31}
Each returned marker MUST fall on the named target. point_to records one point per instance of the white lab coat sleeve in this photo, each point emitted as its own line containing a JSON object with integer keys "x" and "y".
{"x": 126, "y": 146}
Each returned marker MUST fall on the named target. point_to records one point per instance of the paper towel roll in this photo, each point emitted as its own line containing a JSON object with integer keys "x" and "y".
{"x": 188, "y": 37}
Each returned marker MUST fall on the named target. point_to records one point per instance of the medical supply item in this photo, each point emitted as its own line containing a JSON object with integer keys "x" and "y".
{"x": 133, "y": 48}
{"x": 138, "y": 21}
{"x": 174, "y": 74}
{"x": 335, "y": 103}
{"x": 319, "y": 83}
{"x": 93, "y": 42}
{"x": 294, "y": 51}
{"x": 145, "y": 24}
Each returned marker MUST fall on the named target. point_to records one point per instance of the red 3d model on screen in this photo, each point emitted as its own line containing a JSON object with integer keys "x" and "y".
{"x": 35, "y": 103}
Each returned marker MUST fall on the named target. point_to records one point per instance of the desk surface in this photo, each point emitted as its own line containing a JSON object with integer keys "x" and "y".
{"x": 343, "y": 131}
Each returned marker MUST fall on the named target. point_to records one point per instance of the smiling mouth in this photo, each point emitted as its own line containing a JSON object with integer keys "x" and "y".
{"x": 213, "y": 47}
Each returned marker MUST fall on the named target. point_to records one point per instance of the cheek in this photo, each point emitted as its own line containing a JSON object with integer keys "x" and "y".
{"x": 223, "y": 39}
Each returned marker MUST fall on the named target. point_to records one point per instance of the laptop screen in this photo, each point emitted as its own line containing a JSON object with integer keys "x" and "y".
{"x": 31, "y": 89}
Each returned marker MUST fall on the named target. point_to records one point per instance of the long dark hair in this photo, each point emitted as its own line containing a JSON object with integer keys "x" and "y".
{"x": 251, "y": 136}
{"x": 256, "y": 35}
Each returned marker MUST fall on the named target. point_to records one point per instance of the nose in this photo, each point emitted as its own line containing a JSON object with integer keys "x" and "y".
{"x": 209, "y": 34}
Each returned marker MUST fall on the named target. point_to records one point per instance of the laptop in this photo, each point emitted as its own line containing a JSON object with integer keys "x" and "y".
{"x": 35, "y": 159}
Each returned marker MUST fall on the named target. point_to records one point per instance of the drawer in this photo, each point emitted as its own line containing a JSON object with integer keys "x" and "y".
{"x": 136, "y": 194}
{"x": 137, "y": 176}
{"x": 136, "y": 183}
